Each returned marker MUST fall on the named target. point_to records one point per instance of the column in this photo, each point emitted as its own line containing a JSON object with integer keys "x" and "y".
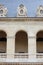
{"x": 32, "y": 47}
{"x": 31, "y": 44}
{"x": 10, "y": 46}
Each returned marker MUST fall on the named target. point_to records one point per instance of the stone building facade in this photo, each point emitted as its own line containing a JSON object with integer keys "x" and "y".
{"x": 21, "y": 38}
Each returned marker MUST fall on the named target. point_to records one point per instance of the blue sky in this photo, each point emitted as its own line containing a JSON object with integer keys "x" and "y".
{"x": 12, "y": 5}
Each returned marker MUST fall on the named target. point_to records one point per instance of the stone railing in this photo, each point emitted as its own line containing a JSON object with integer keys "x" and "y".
{"x": 15, "y": 55}
{"x": 20, "y": 55}
{"x": 3, "y": 55}
{"x": 39, "y": 55}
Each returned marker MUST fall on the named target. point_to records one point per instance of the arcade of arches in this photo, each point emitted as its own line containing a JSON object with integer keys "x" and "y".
{"x": 21, "y": 42}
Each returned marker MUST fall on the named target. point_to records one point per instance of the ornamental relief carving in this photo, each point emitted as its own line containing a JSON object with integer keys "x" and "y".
{"x": 3, "y": 11}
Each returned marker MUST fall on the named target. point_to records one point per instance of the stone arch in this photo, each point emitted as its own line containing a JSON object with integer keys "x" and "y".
{"x": 21, "y": 42}
{"x": 39, "y": 41}
{"x": 3, "y": 41}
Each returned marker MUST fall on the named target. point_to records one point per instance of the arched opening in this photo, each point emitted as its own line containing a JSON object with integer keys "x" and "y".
{"x": 21, "y": 42}
{"x": 3, "y": 41}
{"x": 39, "y": 41}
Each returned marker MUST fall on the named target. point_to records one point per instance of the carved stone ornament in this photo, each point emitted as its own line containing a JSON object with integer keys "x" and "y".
{"x": 3, "y": 11}
{"x": 40, "y": 11}
{"x": 22, "y": 11}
